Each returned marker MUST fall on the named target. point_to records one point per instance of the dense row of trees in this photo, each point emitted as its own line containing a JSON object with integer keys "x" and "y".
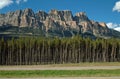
{"x": 32, "y": 51}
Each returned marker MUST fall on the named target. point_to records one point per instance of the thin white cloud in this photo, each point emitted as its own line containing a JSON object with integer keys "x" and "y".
{"x": 114, "y": 26}
{"x": 18, "y": 1}
{"x": 25, "y": 0}
{"x": 118, "y": 29}
{"x": 117, "y": 6}
{"x": 4, "y": 3}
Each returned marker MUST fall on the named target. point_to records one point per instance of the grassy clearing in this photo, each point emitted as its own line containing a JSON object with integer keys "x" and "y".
{"x": 59, "y": 73}
{"x": 68, "y": 65}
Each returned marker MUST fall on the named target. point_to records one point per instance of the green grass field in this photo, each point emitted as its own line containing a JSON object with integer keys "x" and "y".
{"x": 59, "y": 73}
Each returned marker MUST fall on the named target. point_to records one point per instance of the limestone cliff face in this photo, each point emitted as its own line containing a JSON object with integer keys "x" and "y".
{"x": 61, "y": 15}
{"x": 11, "y": 18}
{"x": 54, "y": 21}
{"x": 28, "y": 19}
{"x": 41, "y": 15}
{"x": 80, "y": 17}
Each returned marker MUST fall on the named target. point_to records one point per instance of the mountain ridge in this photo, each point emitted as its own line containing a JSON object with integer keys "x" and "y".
{"x": 57, "y": 23}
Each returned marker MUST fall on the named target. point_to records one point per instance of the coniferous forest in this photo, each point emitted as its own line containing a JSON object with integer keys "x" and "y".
{"x": 35, "y": 51}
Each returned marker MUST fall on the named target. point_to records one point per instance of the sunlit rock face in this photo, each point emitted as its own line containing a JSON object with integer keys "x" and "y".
{"x": 54, "y": 21}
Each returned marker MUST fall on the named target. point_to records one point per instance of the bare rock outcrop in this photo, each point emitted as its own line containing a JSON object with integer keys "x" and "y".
{"x": 55, "y": 20}
{"x": 65, "y": 15}
{"x": 79, "y": 17}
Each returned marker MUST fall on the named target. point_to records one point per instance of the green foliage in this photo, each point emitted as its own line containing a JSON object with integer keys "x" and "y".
{"x": 34, "y": 51}
{"x": 59, "y": 73}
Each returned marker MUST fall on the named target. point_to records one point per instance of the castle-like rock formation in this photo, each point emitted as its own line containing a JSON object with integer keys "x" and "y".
{"x": 61, "y": 22}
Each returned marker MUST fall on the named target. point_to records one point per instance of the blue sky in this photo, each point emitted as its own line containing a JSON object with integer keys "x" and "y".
{"x": 98, "y": 10}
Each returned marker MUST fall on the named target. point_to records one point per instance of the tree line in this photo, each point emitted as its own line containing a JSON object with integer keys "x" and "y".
{"x": 35, "y": 51}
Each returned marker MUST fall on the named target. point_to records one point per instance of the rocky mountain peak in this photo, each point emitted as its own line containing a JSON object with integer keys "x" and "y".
{"x": 54, "y": 12}
{"x": 65, "y": 15}
{"x": 28, "y": 12}
{"x": 103, "y": 24}
{"x": 41, "y": 15}
{"x": 81, "y": 16}
{"x": 18, "y": 13}
{"x": 55, "y": 22}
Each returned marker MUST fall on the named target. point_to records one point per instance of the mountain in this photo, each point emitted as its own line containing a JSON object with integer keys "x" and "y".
{"x": 55, "y": 23}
